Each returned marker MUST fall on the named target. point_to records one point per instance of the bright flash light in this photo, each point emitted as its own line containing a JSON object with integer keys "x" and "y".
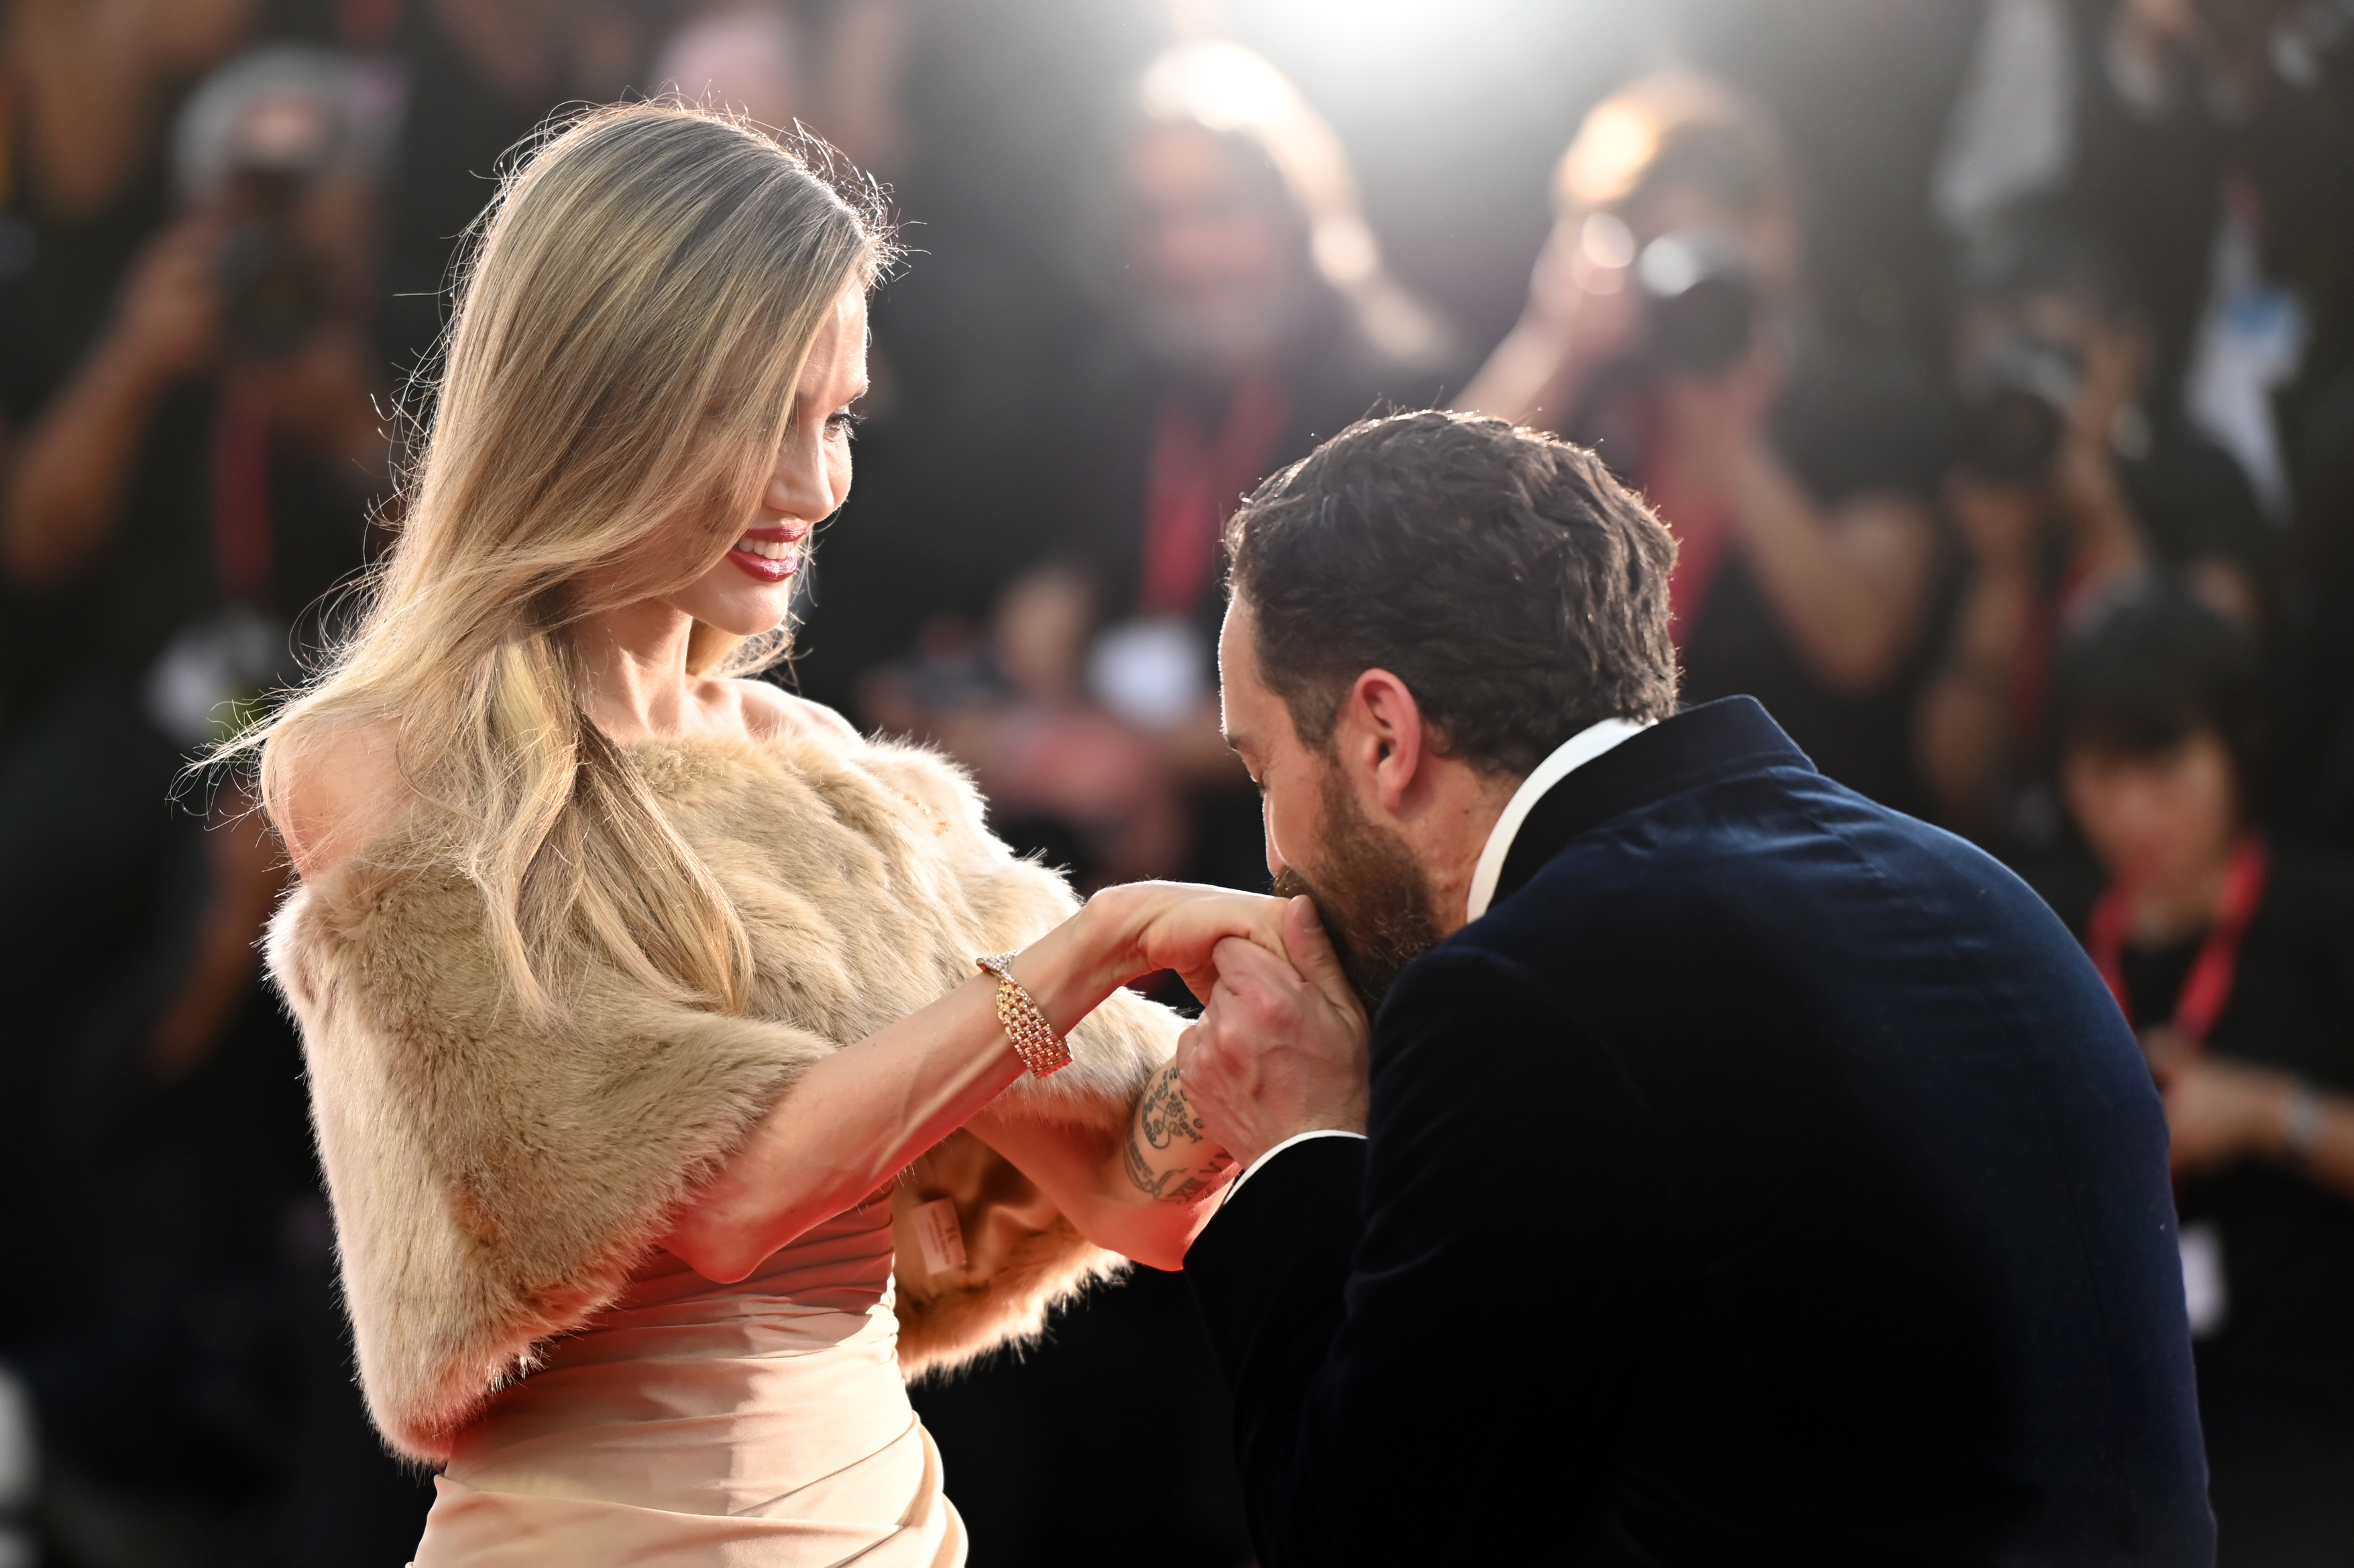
{"x": 1224, "y": 86}
{"x": 1617, "y": 143}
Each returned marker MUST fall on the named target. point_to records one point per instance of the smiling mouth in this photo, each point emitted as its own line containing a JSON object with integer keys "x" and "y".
{"x": 769, "y": 555}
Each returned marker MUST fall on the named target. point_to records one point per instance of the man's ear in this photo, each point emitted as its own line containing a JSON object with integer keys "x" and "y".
{"x": 1383, "y": 737}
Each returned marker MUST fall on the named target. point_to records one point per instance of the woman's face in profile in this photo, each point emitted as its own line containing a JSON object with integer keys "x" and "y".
{"x": 749, "y": 589}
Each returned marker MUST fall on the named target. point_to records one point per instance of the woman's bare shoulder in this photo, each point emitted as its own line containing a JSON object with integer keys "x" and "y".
{"x": 771, "y": 713}
{"x": 338, "y": 788}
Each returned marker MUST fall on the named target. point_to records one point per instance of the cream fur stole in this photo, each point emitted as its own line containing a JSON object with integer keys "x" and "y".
{"x": 494, "y": 1185}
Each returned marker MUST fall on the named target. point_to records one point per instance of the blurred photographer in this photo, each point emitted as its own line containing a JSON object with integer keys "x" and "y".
{"x": 1255, "y": 318}
{"x": 2068, "y": 485}
{"x": 1667, "y": 327}
{"x": 2233, "y": 953}
{"x": 182, "y": 507}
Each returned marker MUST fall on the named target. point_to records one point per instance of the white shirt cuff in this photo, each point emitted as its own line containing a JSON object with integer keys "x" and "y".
{"x": 1252, "y": 1168}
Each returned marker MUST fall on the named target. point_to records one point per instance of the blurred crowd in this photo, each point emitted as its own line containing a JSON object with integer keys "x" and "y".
{"x": 1992, "y": 361}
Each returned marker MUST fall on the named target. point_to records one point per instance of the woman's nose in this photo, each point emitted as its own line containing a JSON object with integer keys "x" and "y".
{"x": 801, "y": 483}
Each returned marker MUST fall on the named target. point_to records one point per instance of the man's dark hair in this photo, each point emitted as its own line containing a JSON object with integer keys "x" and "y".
{"x": 1518, "y": 591}
{"x": 2153, "y": 670}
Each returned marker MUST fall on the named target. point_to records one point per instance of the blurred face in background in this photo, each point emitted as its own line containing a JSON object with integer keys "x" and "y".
{"x": 1213, "y": 248}
{"x": 1039, "y": 633}
{"x": 2157, "y": 819}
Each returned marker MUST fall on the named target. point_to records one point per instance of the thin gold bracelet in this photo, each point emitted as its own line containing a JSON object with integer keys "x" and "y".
{"x": 1034, "y": 1041}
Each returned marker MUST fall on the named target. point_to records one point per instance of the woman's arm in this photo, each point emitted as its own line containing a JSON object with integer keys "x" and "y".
{"x": 1579, "y": 316}
{"x": 1850, "y": 586}
{"x": 1149, "y": 1193}
{"x": 67, "y": 493}
{"x": 858, "y": 1118}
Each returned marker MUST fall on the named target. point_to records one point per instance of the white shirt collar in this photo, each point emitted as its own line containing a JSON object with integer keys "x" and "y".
{"x": 1572, "y": 755}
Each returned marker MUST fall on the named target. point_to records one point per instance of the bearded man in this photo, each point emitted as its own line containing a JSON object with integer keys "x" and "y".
{"x": 1733, "y": 1169}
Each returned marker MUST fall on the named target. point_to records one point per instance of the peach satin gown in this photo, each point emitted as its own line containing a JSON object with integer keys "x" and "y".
{"x": 758, "y": 1424}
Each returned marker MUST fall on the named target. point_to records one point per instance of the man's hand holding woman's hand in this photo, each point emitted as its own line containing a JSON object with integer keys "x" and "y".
{"x": 1279, "y": 1048}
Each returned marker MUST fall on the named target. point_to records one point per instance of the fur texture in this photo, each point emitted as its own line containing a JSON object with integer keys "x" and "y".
{"x": 495, "y": 1183}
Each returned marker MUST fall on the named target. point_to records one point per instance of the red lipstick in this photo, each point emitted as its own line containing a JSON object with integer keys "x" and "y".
{"x": 770, "y": 568}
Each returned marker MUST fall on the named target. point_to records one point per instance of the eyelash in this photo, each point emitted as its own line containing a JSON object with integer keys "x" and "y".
{"x": 846, "y": 422}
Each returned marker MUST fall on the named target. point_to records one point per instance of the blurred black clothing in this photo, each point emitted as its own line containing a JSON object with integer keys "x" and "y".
{"x": 58, "y": 283}
{"x": 2276, "y": 1377}
{"x": 1134, "y": 1346}
{"x": 175, "y": 560}
{"x": 2312, "y": 751}
{"x": 2194, "y": 504}
{"x": 1853, "y": 421}
{"x": 2287, "y": 1343}
{"x": 184, "y": 1393}
{"x": 1329, "y": 377}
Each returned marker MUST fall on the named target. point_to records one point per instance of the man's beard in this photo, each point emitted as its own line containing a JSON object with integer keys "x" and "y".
{"x": 1374, "y": 897}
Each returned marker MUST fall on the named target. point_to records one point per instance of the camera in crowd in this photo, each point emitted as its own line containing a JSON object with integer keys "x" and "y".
{"x": 1701, "y": 302}
{"x": 256, "y": 141}
{"x": 274, "y": 289}
{"x": 2015, "y": 396}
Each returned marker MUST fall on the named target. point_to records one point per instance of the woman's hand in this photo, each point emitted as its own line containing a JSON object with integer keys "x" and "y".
{"x": 1143, "y": 927}
{"x": 169, "y": 322}
{"x": 2220, "y": 1113}
{"x": 1583, "y": 311}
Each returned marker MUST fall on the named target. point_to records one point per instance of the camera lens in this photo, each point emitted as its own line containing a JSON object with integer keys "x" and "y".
{"x": 2013, "y": 435}
{"x": 1702, "y": 306}
{"x": 276, "y": 293}
{"x": 2015, "y": 396}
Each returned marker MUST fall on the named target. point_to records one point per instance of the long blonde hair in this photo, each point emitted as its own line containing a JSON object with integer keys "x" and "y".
{"x": 618, "y": 375}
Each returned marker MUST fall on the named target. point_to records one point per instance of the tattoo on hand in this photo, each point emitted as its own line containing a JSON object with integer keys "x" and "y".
{"x": 1164, "y": 1119}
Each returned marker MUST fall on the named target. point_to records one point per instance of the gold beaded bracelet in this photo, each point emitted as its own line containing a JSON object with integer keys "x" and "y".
{"x": 1034, "y": 1041}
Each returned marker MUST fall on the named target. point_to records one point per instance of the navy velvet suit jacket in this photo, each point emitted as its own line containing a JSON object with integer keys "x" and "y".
{"x": 1765, "y": 1178}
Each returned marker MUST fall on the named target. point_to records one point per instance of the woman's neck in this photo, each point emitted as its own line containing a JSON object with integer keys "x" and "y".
{"x": 2172, "y": 908}
{"x": 633, "y": 673}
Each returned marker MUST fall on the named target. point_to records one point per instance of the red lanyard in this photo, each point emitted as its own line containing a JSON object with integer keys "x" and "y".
{"x": 1196, "y": 480}
{"x": 240, "y": 497}
{"x": 1701, "y": 519}
{"x": 2209, "y": 985}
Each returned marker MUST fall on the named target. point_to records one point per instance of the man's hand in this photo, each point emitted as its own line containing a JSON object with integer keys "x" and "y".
{"x": 1281, "y": 1048}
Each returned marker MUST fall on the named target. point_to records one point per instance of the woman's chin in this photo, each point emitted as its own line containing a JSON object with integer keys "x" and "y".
{"x": 737, "y": 613}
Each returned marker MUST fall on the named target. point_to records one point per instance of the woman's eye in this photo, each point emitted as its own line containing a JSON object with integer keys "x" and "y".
{"x": 844, "y": 424}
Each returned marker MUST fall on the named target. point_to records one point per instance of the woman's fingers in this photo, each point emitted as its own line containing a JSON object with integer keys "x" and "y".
{"x": 1180, "y": 923}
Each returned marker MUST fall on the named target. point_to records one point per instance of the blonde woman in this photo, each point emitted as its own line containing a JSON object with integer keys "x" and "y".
{"x": 641, "y": 1004}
